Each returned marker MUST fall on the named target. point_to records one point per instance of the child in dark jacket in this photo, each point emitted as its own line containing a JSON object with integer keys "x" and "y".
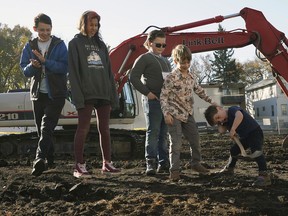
{"x": 44, "y": 61}
{"x": 239, "y": 123}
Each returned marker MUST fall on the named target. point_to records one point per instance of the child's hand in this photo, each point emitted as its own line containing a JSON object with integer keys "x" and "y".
{"x": 39, "y": 56}
{"x": 35, "y": 63}
{"x": 152, "y": 96}
{"x": 232, "y": 133}
{"x": 168, "y": 119}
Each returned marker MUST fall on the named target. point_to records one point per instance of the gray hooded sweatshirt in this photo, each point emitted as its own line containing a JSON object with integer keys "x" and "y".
{"x": 90, "y": 73}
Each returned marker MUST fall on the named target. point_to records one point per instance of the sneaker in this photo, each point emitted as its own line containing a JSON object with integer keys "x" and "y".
{"x": 200, "y": 169}
{"x": 150, "y": 167}
{"x": 108, "y": 167}
{"x": 174, "y": 176}
{"x": 39, "y": 167}
{"x": 263, "y": 180}
{"x": 80, "y": 171}
{"x": 162, "y": 169}
{"x": 150, "y": 170}
{"x": 227, "y": 171}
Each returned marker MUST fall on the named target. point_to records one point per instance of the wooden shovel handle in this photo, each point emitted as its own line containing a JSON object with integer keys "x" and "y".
{"x": 243, "y": 152}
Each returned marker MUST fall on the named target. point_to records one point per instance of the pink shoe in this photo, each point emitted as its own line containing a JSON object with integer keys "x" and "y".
{"x": 108, "y": 167}
{"x": 80, "y": 171}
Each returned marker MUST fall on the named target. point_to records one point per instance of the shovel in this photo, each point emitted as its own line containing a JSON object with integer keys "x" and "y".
{"x": 285, "y": 142}
{"x": 243, "y": 152}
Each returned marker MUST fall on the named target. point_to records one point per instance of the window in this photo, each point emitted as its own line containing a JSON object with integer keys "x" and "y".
{"x": 263, "y": 109}
{"x": 272, "y": 110}
{"x": 227, "y": 92}
{"x": 284, "y": 109}
{"x": 271, "y": 91}
{"x": 257, "y": 111}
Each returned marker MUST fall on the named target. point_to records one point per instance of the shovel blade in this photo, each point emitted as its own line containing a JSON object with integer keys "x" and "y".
{"x": 285, "y": 142}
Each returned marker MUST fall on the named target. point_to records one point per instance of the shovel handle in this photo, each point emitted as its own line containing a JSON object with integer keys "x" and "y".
{"x": 255, "y": 154}
{"x": 243, "y": 152}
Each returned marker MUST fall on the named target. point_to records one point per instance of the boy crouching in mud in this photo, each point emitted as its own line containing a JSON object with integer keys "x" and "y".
{"x": 239, "y": 122}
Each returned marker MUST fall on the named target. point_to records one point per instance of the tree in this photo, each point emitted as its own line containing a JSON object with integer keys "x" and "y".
{"x": 12, "y": 42}
{"x": 202, "y": 68}
{"x": 255, "y": 70}
{"x": 224, "y": 66}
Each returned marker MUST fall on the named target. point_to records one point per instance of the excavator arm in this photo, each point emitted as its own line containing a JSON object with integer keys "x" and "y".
{"x": 270, "y": 42}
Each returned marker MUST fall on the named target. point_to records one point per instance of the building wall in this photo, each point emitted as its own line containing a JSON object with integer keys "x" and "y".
{"x": 217, "y": 94}
{"x": 200, "y": 105}
{"x": 267, "y": 102}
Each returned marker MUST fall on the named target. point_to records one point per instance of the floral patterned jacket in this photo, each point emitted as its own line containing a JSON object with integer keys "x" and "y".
{"x": 177, "y": 95}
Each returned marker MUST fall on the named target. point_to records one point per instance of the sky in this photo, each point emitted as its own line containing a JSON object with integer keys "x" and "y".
{"x": 121, "y": 20}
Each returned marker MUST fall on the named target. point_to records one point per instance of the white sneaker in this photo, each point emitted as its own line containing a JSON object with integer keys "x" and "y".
{"x": 108, "y": 167}
{"x": 80, "y": 171}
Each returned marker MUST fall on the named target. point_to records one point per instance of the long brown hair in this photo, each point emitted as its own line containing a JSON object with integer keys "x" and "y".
{"x": 85, "y": 17}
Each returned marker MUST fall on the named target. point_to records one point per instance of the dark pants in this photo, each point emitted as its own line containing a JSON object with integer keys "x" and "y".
{"x": 46, "y": 115}
{"x": 254, "y": 141}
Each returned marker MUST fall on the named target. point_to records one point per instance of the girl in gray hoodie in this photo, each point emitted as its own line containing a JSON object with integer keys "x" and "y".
{"x": 93, "y": 88}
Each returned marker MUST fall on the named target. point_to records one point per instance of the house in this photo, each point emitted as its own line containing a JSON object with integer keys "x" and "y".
{"x": 224, "y": 95}
{"x": 268, "y": 104}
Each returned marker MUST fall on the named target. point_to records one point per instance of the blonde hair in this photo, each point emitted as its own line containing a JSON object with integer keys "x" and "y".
{"x": 181, "y": 53}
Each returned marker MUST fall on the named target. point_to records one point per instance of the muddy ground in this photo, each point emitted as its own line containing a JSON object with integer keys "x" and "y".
{"x": 57, "y": 192}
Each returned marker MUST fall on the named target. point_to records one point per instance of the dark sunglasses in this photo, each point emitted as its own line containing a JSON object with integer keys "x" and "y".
{"x": 159, "y": 45}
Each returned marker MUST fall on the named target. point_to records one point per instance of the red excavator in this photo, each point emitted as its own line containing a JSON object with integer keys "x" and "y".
{"x": 268, "y": 41}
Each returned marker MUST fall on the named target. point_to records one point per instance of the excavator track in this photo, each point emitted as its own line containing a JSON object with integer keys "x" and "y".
{"x": 126, "y": 144}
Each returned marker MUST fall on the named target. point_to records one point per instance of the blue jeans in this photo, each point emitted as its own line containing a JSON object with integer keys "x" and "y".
{"x": 157, "y": 132}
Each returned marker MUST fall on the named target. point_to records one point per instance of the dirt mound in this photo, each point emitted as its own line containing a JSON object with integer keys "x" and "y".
{"x": 57, "y": 192}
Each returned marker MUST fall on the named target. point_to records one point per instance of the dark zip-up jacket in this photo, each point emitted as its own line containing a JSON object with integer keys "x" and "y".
{"x": 56, "y": 68}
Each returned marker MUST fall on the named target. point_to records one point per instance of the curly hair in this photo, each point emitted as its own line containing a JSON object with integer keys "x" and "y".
{"x": 181, "y": 53}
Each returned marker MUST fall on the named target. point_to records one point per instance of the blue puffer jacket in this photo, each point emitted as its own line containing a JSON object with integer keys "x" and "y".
{"x": 56, "y": 68}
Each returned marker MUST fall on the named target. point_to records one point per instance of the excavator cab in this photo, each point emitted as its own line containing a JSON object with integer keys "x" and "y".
{"x": 127, "y": 106}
